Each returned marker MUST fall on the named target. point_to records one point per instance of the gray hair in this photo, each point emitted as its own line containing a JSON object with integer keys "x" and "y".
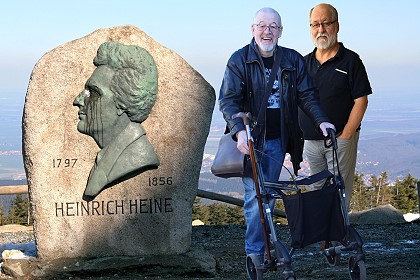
{"x": 135, "y": 83}
{"x": 270, "y": 11}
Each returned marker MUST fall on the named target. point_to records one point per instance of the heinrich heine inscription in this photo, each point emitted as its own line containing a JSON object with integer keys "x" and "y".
{"x": 114, "y": 207}
{"x": 117, "y": 98}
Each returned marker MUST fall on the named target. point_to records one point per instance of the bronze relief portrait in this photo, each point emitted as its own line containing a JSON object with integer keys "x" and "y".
{"x": 117, "y": 98}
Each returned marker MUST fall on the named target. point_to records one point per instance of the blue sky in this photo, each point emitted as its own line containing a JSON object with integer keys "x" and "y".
{"x": 205, "y": 33}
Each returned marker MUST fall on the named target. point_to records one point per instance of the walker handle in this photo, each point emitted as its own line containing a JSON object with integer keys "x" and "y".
{"x": 331, "y": 133}
{"x": 246, "y": 117}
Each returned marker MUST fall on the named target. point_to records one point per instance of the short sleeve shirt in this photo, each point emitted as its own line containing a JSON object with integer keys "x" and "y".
{"x": 340, "y": 81}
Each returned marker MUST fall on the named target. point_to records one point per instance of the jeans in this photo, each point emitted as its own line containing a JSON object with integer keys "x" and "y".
{"x": 321, "y": 158}
{"x": 271, "y": 165}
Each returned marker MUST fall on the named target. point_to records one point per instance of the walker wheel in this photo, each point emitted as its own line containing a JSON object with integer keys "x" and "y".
{"x": 253, "y": 262}
{"x": 333, "y": 258}
{"x": 357, "y": 269}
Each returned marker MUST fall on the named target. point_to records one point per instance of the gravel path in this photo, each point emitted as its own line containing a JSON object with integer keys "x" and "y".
{"x": 392, "y": 252}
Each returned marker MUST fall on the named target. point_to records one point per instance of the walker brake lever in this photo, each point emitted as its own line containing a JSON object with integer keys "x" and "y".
{"x": 331, "y": 141}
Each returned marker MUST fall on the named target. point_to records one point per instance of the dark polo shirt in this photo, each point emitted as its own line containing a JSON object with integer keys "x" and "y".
{"x": 340, "y": 80}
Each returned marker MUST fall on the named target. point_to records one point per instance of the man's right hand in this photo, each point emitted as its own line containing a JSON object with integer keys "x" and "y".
{"x": 242, "y": 143}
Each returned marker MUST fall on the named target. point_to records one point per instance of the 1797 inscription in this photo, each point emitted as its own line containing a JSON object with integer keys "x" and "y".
{"x": 63, "y": 162}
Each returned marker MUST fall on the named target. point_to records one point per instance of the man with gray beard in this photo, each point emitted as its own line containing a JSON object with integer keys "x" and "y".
{"x": 343, "y": 87}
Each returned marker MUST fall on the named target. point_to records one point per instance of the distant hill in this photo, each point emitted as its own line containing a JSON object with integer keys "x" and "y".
{"x": 397, "y": 154}
{"x": 209, "y": 182}
{"x": 7, "y": 199}
{"x": 10, "y": 182}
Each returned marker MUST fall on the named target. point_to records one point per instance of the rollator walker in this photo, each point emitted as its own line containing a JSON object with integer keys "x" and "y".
{"x": 313, "y": 216}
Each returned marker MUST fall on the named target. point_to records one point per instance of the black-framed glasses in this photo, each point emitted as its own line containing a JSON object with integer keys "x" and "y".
{"x": 323, "y": 24}
{"x": 262, "y": 27}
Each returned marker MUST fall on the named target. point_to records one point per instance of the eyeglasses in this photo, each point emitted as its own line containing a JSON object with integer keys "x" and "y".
{"x": 262, "y": 27}
{"x": 323, "y": 24}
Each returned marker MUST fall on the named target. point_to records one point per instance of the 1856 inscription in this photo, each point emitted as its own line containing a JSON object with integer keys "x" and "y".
{"x": 160, "y": 181}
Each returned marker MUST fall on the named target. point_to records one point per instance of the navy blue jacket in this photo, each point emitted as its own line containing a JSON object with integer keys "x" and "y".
{"x": 243, "y": 88}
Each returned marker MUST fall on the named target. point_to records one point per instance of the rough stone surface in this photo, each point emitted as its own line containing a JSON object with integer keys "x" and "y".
{"x": 145, "y": 215}
{"x": 384, "y": 214}
{"x": 196, "y": 262}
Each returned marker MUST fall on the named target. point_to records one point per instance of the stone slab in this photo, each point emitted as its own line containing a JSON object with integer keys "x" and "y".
{"x": 149, "y": 214}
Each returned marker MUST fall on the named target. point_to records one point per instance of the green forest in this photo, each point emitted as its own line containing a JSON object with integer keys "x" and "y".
{"x": 19, "y": 211}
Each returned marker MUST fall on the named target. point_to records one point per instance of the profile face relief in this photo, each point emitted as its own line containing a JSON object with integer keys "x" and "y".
{"x": 97, "y": 111}
{"x": 117, "y": 98}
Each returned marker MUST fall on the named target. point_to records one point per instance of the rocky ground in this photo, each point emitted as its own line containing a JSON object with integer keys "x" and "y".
{"x": 392, "y": 252}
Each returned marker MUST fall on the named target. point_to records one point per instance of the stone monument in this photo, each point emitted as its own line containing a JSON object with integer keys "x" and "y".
{"x": 143, "y": 207}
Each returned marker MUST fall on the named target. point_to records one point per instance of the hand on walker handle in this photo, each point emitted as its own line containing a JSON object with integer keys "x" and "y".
{"x": 246, "y": 117}
{"x": 242, "y": 137}
{"x": 325, "y": 126}
{"x": 242, "y": 144}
